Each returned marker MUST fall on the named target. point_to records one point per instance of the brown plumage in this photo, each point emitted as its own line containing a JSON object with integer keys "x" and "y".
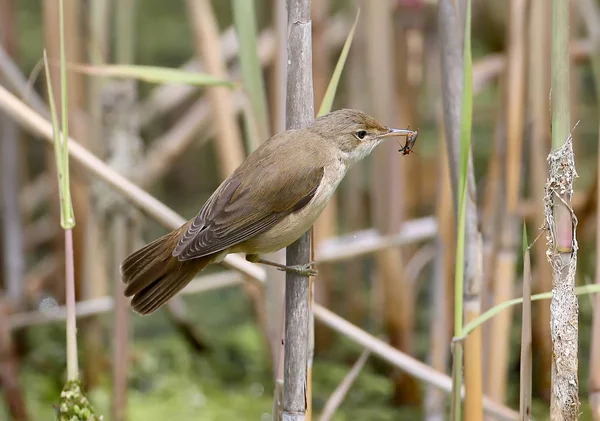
{"x": 268, "y": 202}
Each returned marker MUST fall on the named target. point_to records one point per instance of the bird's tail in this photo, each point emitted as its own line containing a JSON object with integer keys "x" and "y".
{"x": 153, "y": 276}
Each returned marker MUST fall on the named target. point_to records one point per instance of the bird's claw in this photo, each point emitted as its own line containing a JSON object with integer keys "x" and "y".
{"x": 302, "y": 270}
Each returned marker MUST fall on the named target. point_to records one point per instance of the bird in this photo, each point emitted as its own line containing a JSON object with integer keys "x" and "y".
{"x": 266, "y": 204}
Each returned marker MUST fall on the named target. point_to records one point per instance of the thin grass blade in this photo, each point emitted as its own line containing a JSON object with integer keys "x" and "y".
{"x": 468, "y": 328}
{"x": 327, "y": 101}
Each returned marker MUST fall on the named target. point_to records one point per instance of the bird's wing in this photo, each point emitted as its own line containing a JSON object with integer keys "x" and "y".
{"x": 239, "y": 210}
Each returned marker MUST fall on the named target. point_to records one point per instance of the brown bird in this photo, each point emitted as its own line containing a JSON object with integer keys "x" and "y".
{"x": 268, "y": 202}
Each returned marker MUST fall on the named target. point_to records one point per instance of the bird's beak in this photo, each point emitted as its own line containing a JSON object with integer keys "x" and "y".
{"x": 396, "y": 132}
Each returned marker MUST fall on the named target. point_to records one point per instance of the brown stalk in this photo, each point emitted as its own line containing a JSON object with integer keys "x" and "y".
{"x": 124, "y": 228}
{"x": 37, "y": 125}
{"x": 408, "y": 60}
{"x": 353, "y": 195}
{"x": 408, "y": 57}
{"x": 96, "y": 239}
{"x": 490, "y": 218}
{"x": 498, "y": 357}
{"x": 440, "y": 330}
{"x": 398, "y": 303}
{"x": 539, "y": 87}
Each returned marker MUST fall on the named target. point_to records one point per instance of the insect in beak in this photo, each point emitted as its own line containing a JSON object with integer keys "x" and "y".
{"x": 410, "y": 143}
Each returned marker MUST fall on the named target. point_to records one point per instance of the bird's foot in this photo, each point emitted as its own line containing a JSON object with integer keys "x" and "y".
{"x": 302, "y": 270}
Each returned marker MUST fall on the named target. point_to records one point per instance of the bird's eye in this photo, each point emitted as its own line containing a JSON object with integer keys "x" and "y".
{"x": 361, "y": 134}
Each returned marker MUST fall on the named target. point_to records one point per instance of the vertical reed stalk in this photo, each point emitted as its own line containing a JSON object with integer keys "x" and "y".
{"x": 299, "y": 114}
{"x": 387, "y": 202}
{"x": 96, "y": 263}
{"x": 562, "y": 243}
{"x": 538, "y": 89}
{"x": 498, "y": 359}
{"x": 126, "y": 151}
{"x": 435, "y": 401}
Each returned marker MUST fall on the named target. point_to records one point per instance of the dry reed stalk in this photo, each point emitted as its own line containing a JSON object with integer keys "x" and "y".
{"x": 497, "y": 367}
{"x": 538, "y": 88}
{"x": 96, "y": 238}
{"x": 98, "y": 38}
{"x": 37, "y": 125}
{"x": 298, "y": 289}
{"x": 408, "y": 54}
{"x": 440, "y": 328}
{"x": 352, "y": 196}
{"x": 491, "y": 220}
{"x": 125, "y": 146}
{"x": 561, "y": 223}
{"x": 398, "y": 300}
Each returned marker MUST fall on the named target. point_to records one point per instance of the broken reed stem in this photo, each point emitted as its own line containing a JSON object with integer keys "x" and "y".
{"x": 561, "y": 223}
{"x": 299, "y": 114}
